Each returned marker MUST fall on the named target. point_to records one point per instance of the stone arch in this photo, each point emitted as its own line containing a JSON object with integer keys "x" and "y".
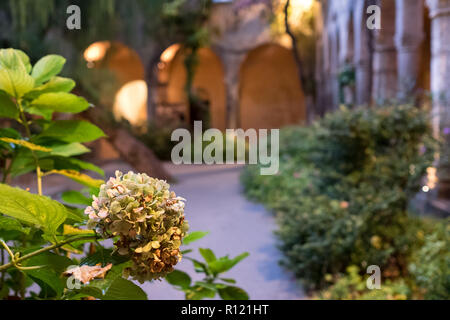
{"x": 270, "y": 92}
{"x": 120, "y": 79}
{"x": 172, "y": 104}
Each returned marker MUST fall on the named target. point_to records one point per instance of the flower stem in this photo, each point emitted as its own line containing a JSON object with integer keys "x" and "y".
{"x": 45, "y": 249}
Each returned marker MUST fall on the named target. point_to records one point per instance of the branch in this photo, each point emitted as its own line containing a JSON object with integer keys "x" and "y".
{"x": 42, "y": 250}
{"x": 297, "y": 57}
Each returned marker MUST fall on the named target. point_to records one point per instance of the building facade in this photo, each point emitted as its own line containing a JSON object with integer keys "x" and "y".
{"x": 407, "y": 59}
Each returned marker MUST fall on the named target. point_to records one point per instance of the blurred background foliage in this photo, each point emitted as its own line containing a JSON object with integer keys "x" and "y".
{"x": 341, "y": 200}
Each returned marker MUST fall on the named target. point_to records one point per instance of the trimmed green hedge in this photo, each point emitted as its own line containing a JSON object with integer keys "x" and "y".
{"x": 342, "y": 192}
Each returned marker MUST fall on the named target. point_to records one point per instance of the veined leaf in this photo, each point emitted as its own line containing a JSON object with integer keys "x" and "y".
{"x": 8, "y": 224}
{"x": 52, "y": 266}
{"x": 55, "y": 84}
{"x": 81, "y": 178}
{"x": 26, "y": 144}
{"x": 122, "y": 289}
{"x": 224, "y": 264}
{"x": 75, "y": 215}
{"x": 8, "y": 108}
{"x": 47, "y": 67}
{"x": 69, "y": 230}
{"x": 76, "y": 197}
{"x": 45, "y": 113}
{"x": 208, "y": 255}
{"x": 39, "y": 211}
{"x": 73, "y": 131}
{"x": 14, "y": 77}
{"x": 15, "y": 82}
{"x": 179, "y": 278}
{"x": 194, "y": 236}
{"x": 199, "y": 293}
{"x": 68, "y": 150}
{"x": 60, "y": 102}
{"x": 24, "y": 58}
{"x": 233, "y": 293}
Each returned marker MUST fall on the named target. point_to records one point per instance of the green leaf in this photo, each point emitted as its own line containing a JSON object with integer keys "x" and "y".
{"x": 75, "y": 215}
{"x": 9, "y": 224}
{"x": 194, "y": 236}
{"x": 9, "y": 133}
{"x": 224, "y": 264}
{"x": 81, "y": 178}
{"x": 68, "y": 230}
{"x": 105, "y": 256}
{"x": 73, "y": 131}
{"x": 53, "y": 266}
{"x": 47, "y": 67}
{"x": 233, "y": 293}
{"x": 199, "y": 293}
{"x": 15, "y": 82}
{"x": 24, "y": 162}
{"x": 40, "y": 211}
{"x": 68, "y": 150}
{"x": 122, "y": 289}
{"x": 26, "y": 144}
{"x": 45, "y": 113}
{"x": 82, "y": 165}
{"x": 24, "y": 58}
{"x": 228, "y": 280}
{"x": 199, "y": 266}
{"x": 8, "y": 109}
{"x": 179, "y": 278}
{"x": 76, "y": 197}
{"x": 60, "y": 102}
{"x": 56, "y": 84}
{"x": 208, "y": 255}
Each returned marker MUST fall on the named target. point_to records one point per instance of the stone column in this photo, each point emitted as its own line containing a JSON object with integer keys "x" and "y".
{"x": 346, "y": 49}
{"x": 334, "y": 67}
{"x": 440, "y": 85}
{"x": 232, "y": 62}
{"x": 385, "y": 56}
{"x": 361, "y": 57}
{"x": 409, "y": 35}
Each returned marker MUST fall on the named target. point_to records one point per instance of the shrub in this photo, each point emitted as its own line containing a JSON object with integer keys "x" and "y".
{"x": 431, "y": 263}
{"x": 343, "y": 188}
{"x": 352, "y": 286}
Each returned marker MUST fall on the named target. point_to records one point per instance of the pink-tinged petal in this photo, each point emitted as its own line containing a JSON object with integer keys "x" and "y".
{"x": 103, "y": 213}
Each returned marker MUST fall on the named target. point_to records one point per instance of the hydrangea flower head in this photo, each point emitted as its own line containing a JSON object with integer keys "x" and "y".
{"x": 146, "y": 217}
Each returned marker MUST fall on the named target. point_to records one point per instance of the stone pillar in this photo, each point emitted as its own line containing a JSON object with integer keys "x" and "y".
{"x": 346, "y": 44}
{"x": 232, "y": 62}
{"x": 385, "y": 56}
{"x": 334, "y": 67}
{"x": 361, "y": 57}
{"x": 409, "y": 35}
{"x": 440, "y": 85}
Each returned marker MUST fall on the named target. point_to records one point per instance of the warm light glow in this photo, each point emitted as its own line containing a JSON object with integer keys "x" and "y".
{"x": 96, "y": 51}
{"x": 432, "y": 178}
{"x": 298, "y": 8}
{"x": 131, "y": 102}
{"x": 169, "y": 53}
